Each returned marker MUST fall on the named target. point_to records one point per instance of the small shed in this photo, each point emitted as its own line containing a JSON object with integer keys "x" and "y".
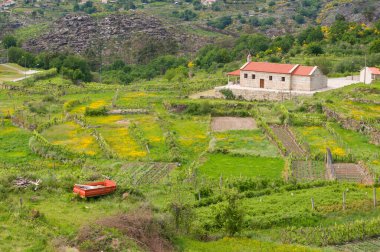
{"x": 369, "y": 74}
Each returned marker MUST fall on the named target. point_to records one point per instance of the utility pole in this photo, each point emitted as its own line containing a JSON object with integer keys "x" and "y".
{"x": 365, "y": 68}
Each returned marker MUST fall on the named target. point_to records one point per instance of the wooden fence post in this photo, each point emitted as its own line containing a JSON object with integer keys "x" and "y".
{"x": 220, "y": 183}
{"x": 374, "y": 197}
{"x": 312, "y": 203}
{"x": 344, "y": 200}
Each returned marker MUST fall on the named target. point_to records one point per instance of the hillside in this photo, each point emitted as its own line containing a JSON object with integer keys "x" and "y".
{"x": 181, "y": 169}
{"x": 192, "y": 23}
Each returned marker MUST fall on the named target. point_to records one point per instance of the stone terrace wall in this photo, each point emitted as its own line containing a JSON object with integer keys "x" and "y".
{"x": 259, "y": 95}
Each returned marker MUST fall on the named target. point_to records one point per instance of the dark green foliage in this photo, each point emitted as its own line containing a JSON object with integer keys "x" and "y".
{"x": 211, "y": 54}
{"x": 251, "y": 43}
{"x": 230, "y": 216}
{"x": 9, "y": 41}
{"x": 324, "y": 65}
{"x": 21, "y": 57}
{"x": 299, "y": 19}
{"x": 375, "y": 46}
{"x": 76, "y": 69}
{"x": 87, "y": 7}
{"x": 221, "y": 22}
{"x": 314, "y": 49}
{"x": 228, "y": 94}
{"x": 186, "y": 15}
{"x": 310, "y": 34}
{"x": 95, "y": 112}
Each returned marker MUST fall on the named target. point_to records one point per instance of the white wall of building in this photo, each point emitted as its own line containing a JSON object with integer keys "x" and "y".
{"x": 366, "y": 75}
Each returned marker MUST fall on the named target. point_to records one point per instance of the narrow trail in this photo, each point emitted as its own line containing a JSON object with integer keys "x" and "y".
{"x": 13, "y": 68}
{"x": 288, "y": 141}
{"x": 352, "y": 173}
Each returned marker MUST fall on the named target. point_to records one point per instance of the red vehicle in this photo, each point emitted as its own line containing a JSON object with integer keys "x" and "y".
{"x": 95, "y": 188}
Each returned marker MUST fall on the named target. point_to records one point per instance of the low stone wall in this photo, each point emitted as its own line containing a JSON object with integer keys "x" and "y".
{"x": 349, "y": 123}
{"x": 259, "y": 95}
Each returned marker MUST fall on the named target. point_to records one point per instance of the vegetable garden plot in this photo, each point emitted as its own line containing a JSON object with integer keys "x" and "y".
{"x": 14, "y": 145}
{"x": 192, "y": 133}
{"x": 232, "y": 123}
{"x": 154, "y": 135}
{"x": 289, "y": 142}
{"x": 352, "y": 173}
{"x": 146, "y": 173}
{"x": 304, "y": 170}
{"x": 117, "y": 135}
{"x": 73, "y": 137}
{"x": 136, "y": 100}
{"x": 317, "y": 139}
{"x": 246, "y": 142}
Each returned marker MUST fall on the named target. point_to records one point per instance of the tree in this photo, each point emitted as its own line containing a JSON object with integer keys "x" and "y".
{"x": 9, "y": 41}
{"x": 299, "y": 19}
{"x": 314, "y": 49}
{"x": 375, "y": 46}
{"x": 324, "y": 64}
{"x": 230, "y": 216}
{"x": 221, "y": 22}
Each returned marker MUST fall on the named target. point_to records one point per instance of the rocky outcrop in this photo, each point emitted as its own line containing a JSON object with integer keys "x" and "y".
{"x": 116, "y": 34}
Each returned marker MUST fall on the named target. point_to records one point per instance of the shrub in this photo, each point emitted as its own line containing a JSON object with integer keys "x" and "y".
{"x": 228, "y": 94}
{"x": 95, "y": 111}
{"x": 230, "y": 216}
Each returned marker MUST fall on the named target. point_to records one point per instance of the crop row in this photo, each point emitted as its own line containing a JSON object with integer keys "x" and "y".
{"x": 333, "y": 235}
{"x": 42, "y": 147}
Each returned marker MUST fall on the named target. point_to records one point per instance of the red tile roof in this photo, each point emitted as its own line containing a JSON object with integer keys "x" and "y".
{"x": 277, "y": 68}
{"x": 374, "y": 70}
{"x": 303, "y": 70}
{"x": 268, "y": 67}
{"x": 234, "y": 73}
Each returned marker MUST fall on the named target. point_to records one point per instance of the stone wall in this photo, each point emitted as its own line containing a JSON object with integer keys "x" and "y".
{"x": 259, "y": 95}
{"x": 301, "y": 83}
{"x": 318, "y": 80}
{"x": 275, "y": 83}
{"x": 349, "y": 123}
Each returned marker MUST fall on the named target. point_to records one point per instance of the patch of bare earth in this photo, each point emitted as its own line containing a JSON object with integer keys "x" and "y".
{"x": 123, "y": 122}
{"x": 139, "y": 226}
{"x": 232, "y": 123}
{"x": 205, "y": 94}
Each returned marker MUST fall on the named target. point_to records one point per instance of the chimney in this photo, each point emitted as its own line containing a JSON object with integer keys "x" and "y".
{"x": 249, "y": 57}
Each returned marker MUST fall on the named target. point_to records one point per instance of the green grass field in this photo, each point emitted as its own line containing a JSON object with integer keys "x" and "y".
{"x": 249, "y": 163}
{"x": 236, "y": 166}
{"x": 247, "y": 142}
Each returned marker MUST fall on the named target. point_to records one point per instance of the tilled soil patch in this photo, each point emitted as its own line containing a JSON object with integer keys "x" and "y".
{"x": 232, "y": 123}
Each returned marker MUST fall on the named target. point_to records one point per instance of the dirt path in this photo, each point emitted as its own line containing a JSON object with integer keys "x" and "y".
{"x": 352, "y": 173}
{"x": 26, "y": 73}
{"x": 288, "y": 141}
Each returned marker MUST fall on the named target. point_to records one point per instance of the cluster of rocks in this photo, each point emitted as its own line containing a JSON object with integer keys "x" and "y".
{"x": 113, "y": 33}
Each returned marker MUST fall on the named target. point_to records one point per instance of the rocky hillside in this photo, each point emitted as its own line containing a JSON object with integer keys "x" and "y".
{"x": 115, "y": 35}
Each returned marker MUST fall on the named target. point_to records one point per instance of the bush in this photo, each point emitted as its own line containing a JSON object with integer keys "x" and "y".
{"x": 314, "y": 49}
{"x": 9, "y": 41}
{"x": 95, "y": 111}
{"x": 230, "y": 216}
{"x": 228, "y": 94}
{"x": 375, "y": 46}
{"x": 221, "y": 22}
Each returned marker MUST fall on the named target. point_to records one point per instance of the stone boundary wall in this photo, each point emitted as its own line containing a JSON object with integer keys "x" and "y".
{"x": 352, "y": 124}
{"x": 259, "y": 95}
